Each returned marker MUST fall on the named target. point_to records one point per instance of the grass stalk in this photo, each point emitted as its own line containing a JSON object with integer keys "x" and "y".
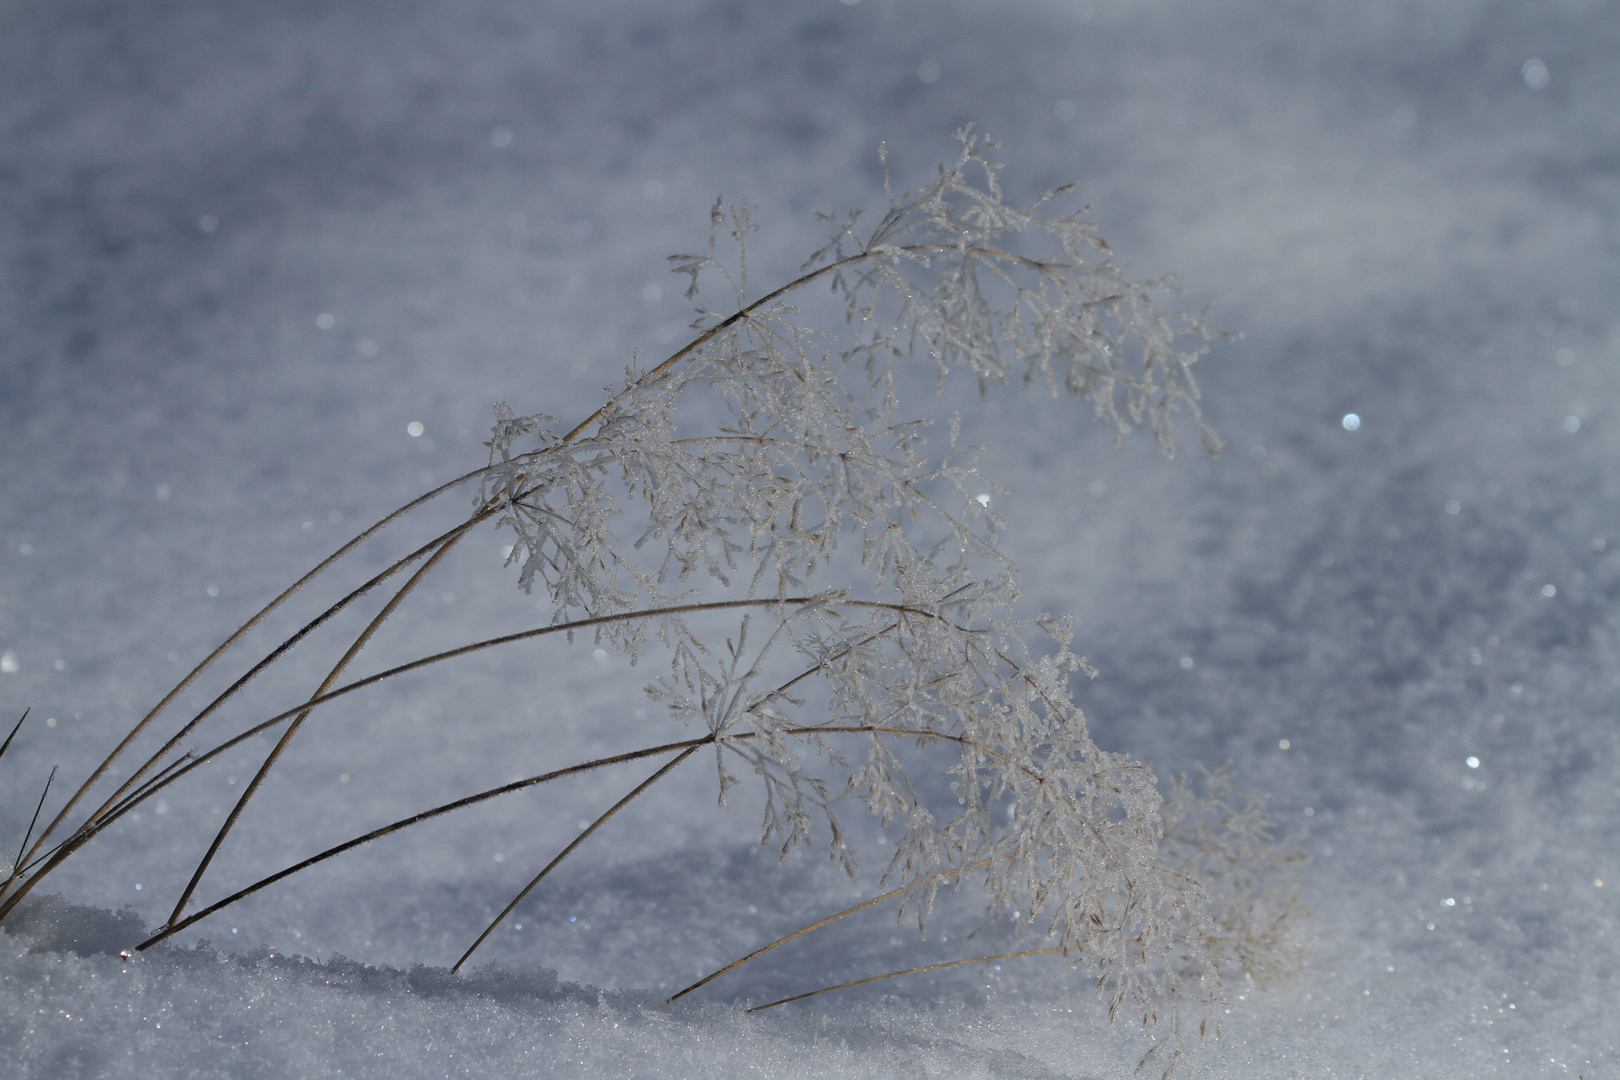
{"x": 35, "y": 819}
{"x": 663, "y": 771}
{"x": 913, "y": 971}
{"x": 417, "y": 819}
{"x": 237, "y": 635}
{"x": 14, "y": 729}
{"x": 298, "y": 721}
{"x": 817, "y": 925}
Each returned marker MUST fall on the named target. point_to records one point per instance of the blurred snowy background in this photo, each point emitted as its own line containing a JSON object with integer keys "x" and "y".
{"x": 246, "y": 251}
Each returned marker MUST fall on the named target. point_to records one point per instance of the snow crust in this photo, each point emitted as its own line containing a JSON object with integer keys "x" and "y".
{"x": 244, "y": 250}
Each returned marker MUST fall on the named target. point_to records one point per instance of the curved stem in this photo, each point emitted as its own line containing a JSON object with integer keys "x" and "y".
{"x": 801, "y": 931}
{"x": 555, "y": 628}
{"x": 182, "y": 767}
{"x": 35, "y": 820}
{"x": 280, "y": 650}
{"x": 16, "y": 867}
{"x": 746, "y": 311}
{"x": 414, "y": 819}
{"x": 527, "y": 782}
{"x": 578, "y": 840}
{"x": 708, "y": 335}
{"x": 16, "y": 728}
{"x": 89, "y": 831}
{"x": 252, "y": 622}
{"x": 292, "y": 728}
{"x": 912, "y": 971}
{"x": 162, "y": 778}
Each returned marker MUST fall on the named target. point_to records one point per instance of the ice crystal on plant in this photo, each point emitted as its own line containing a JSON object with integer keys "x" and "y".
{"x": 842, "y": 668}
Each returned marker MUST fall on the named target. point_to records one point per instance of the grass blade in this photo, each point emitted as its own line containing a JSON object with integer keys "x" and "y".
{"x": 578, "y": 840}
{"x": 414, "y": 819}
{"x": 292, "y": 729}
{"x": 891, "y": 894}
{"x": 909, "y": 971}
{"x": 240, "y": 632}
{"x": 7, "y": 744}
{"x": 34, "y": 820}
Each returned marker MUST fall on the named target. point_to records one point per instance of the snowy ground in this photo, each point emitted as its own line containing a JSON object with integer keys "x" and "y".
{"x": 1405, "y": 634}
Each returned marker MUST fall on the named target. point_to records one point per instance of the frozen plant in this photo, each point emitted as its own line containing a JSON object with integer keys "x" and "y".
{"x": 822, "y": 587}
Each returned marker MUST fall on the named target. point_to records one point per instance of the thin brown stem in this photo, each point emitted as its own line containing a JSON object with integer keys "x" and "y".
{"x": 469, "y": 800}
{"x": 801, "y": 931}
{"x": 415, "y": 819}
{"x": 252, "y": 622}
{"x": 518, "y": 785}
{"x": 708, "y": 335}
{"x": 748, "y": 310}
{"x": 280, "y": 650}
{"x": 90, "y": 829}
{"x": 99, "y": 818}
{"x": 783, "y": 941}
{"x": 17, "y": 867}
{"x": 18, "y": 727}
{"x": 913, "y": 971}
{"x": 35, "y": 819}
{"x": 292, "y": 728}
{"x": 578, "y": 840}
{"x": 162, "y": 778}
{"x": 555, "y": 628}
{"x": 82, "y": 835}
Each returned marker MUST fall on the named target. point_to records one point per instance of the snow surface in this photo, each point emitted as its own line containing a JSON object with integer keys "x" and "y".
{"x": 1407, "y": 222}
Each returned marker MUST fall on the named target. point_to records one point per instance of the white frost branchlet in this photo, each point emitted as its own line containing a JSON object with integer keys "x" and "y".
{"x": 912, "y": 640}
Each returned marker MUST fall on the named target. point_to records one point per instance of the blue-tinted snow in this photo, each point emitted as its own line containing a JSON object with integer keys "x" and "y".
{"x": 245, "y": 248}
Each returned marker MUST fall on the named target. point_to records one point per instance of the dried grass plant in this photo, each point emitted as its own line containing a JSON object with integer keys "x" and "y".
{"x": 874, "y": 618}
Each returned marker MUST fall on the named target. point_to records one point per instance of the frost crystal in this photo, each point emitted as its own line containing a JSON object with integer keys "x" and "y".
{"x": 846, "y": 663}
